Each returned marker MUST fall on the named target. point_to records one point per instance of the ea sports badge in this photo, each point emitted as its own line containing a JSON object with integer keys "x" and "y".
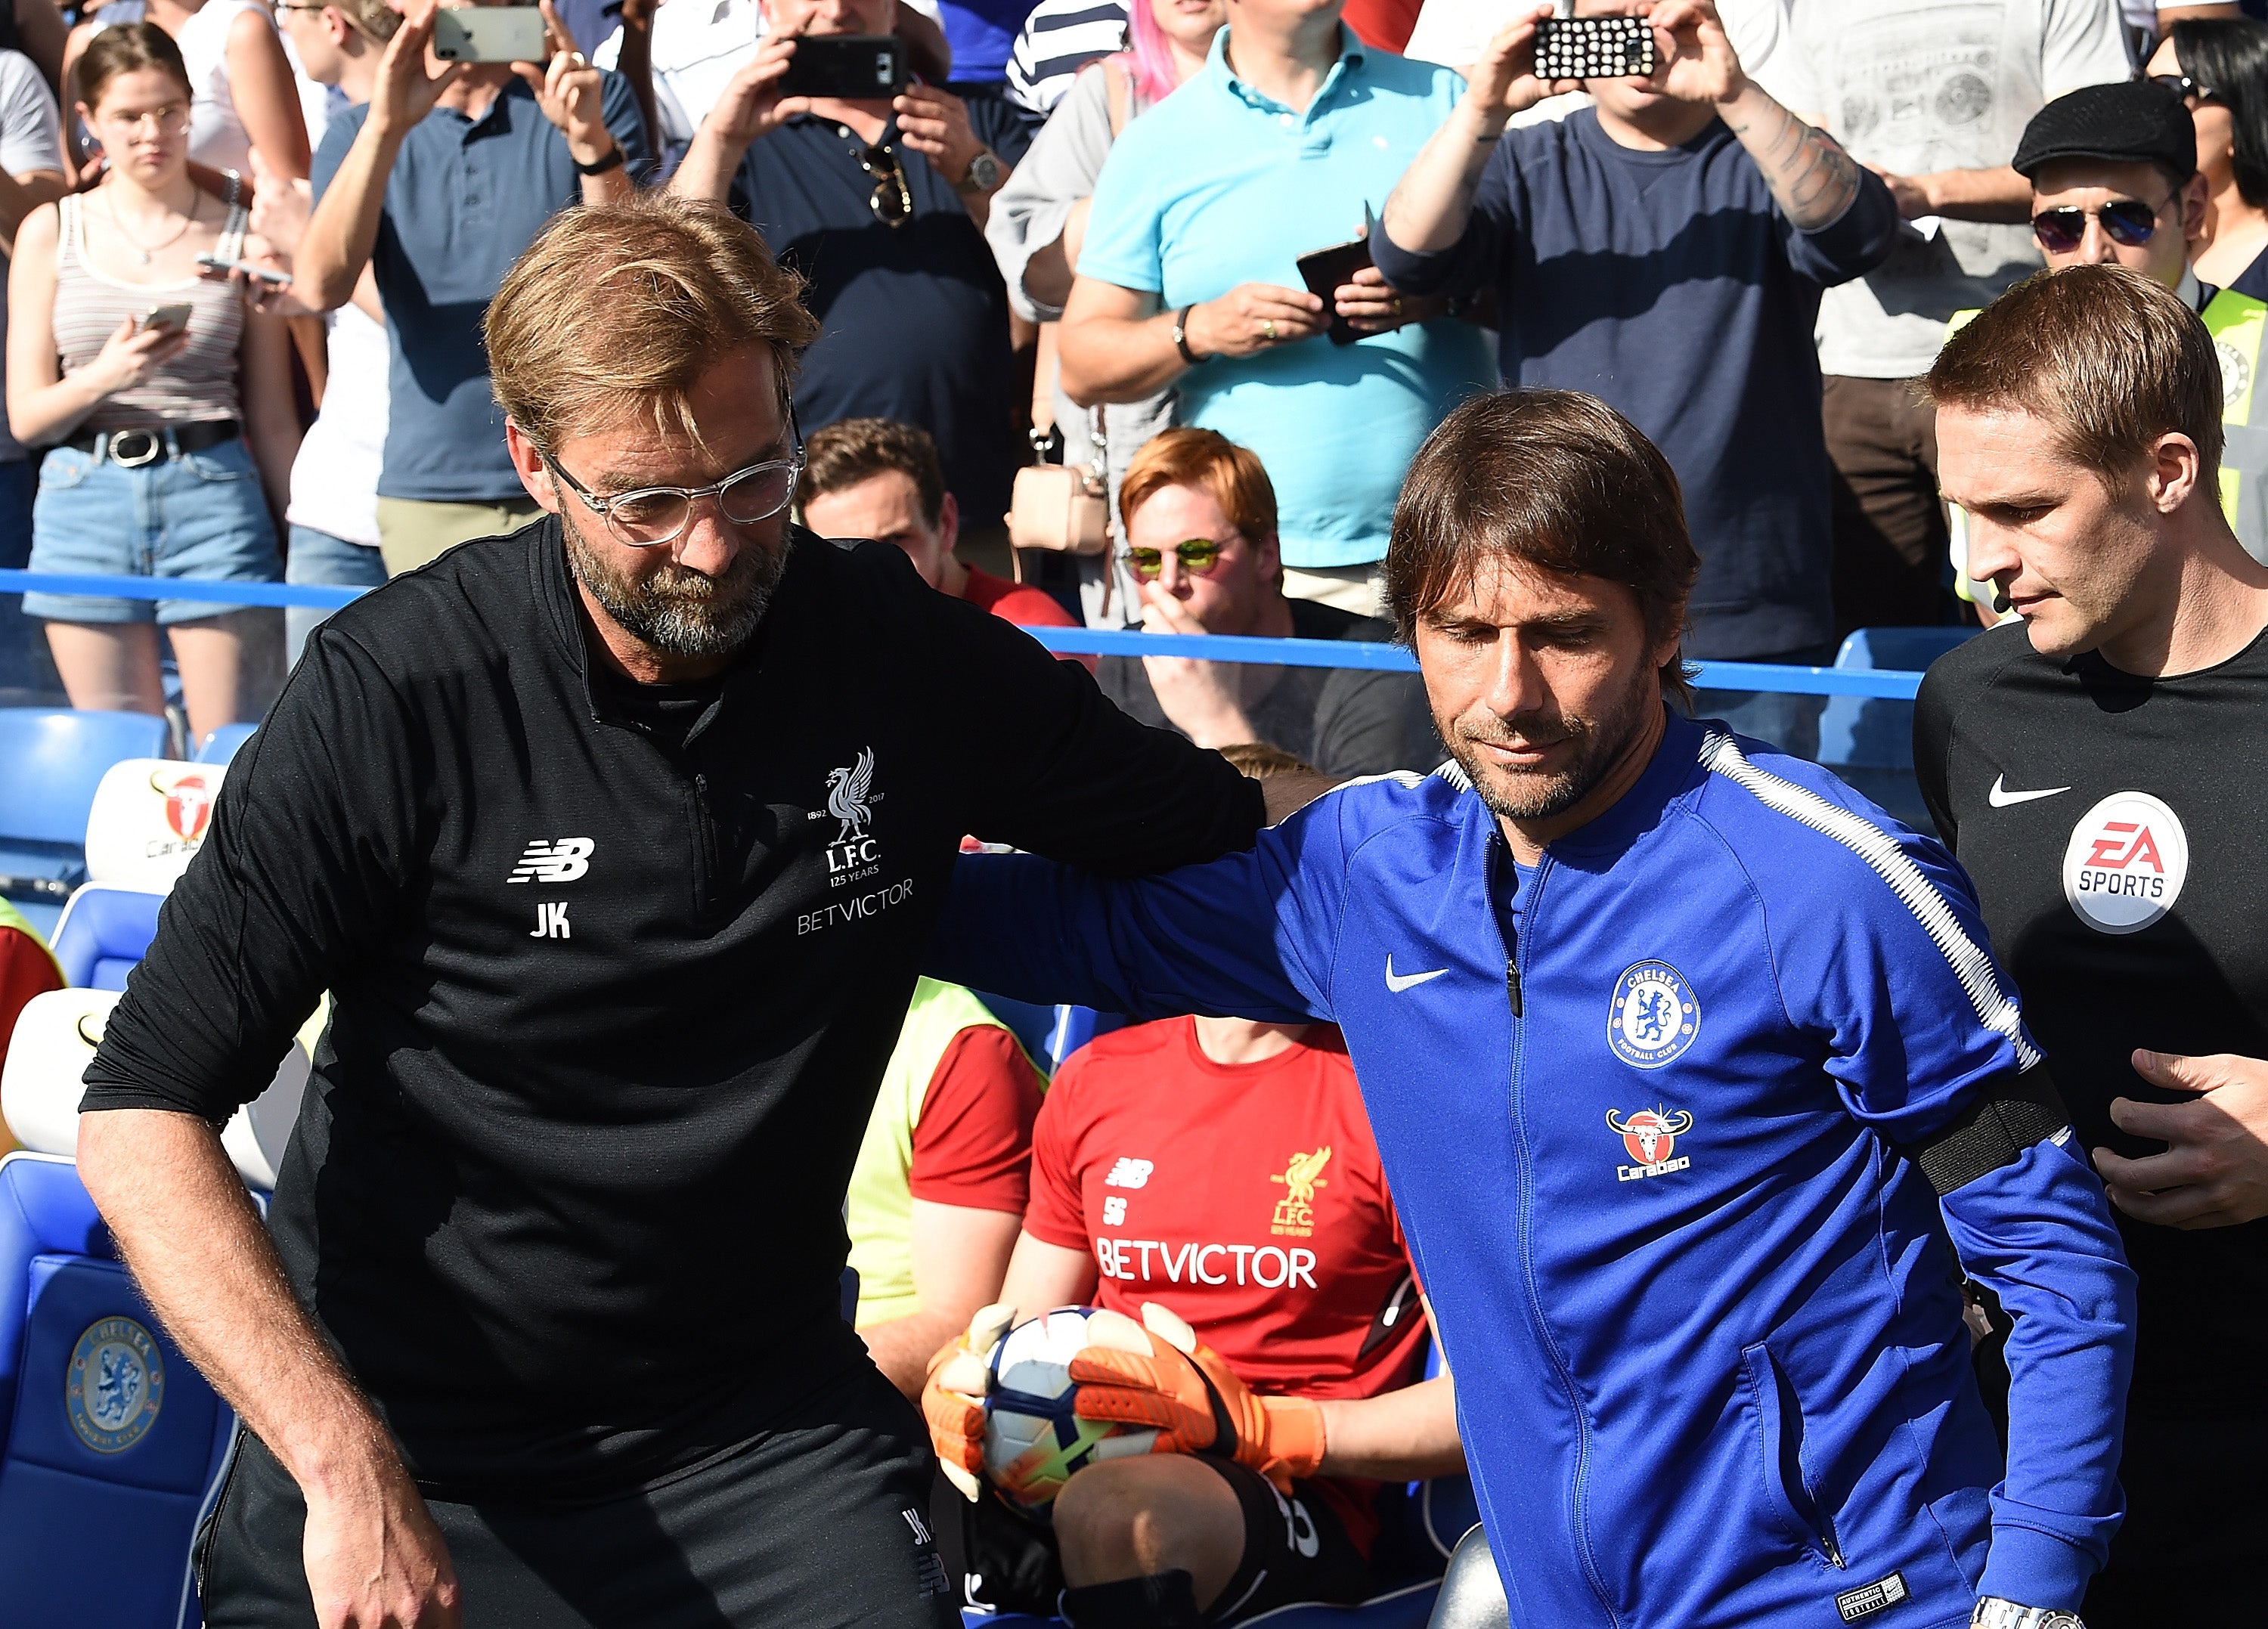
{"x": 115, "y": 1386}
{"x": 2125, "y": 863}
{"x": 1653, "y": 1016}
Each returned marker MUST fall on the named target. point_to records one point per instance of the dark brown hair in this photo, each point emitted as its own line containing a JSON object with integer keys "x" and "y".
{"x": 2108, "y": 357}
{"x": 628, "y": 305}
{"x": 128, "y": 48}
{"x": 858, "y": 449}
{"x": 1209, "y": 461}
{"x": 1256, "y": 760}
{"x": 1554, "y": 478}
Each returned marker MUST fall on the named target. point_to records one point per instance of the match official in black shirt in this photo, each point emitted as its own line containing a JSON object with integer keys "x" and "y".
{"x": 616, "y": 842}
{"x": 2099, "y": 770}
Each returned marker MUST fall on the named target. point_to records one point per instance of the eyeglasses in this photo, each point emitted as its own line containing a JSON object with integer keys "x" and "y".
{"x": 892, "y": 203}
{"x": 284, "y": 5}
{"x": 165, "y": 121}
{"x": 1197, "y": 554}
{"x": 2186, "y": 88}
{"x": 2128, "y": 221}
{"x": 650, "y": 516}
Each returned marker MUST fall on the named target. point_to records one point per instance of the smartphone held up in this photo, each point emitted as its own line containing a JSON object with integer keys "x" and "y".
{"x": 489, "y": 34}
{"x": 1595, "y": 47}
{"x": 848, "y": 66}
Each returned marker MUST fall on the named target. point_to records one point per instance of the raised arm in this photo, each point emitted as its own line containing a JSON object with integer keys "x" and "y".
{"x": 344, "y": 229}
{"x": 1431, "y": 205}
{"x": 189, "y": 1234}
{"x": 1811, "y": 178}
{"x": 259, "y": 83}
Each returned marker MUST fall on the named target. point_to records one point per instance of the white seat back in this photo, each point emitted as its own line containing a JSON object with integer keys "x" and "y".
{"x": 41, "y": 1087}
{"x": 150, "y": 816}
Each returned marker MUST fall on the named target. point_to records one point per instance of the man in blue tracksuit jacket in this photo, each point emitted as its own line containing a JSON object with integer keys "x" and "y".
{"x": 1681, "y": 1107}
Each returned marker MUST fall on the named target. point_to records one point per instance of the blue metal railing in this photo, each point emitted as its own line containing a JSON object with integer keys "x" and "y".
{"x": 1881, "y": 683}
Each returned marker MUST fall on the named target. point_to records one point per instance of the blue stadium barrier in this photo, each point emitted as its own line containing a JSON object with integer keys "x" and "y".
{"x": 1066, "y": 641}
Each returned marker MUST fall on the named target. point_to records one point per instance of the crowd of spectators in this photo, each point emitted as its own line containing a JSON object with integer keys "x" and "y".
{"x": 1080, "y": 224}
{"x": 1092, "y": 233}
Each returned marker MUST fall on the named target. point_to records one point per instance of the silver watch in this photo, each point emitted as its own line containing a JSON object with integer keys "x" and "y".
{"x": 983, "y": 173}
{"x": 1992, "y": 1612}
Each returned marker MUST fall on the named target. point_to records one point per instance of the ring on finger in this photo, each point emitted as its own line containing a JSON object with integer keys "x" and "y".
{"x": 575, "y": 59}
{"x": 1396, "y": 303}
{"x": 1267, "y": 329}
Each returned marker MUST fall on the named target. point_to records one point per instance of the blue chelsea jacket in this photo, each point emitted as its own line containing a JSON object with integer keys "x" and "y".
{"x": 1647, "y": 1135}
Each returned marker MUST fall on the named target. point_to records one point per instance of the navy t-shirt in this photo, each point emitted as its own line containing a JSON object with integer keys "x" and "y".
{"x": 1670, "y": 285}
{"x": 465, "y": 197}
{"x": 913, "y": 319}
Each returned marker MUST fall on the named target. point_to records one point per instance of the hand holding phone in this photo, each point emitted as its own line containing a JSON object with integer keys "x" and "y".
{"x": 488, "y": 34}
{"x": 171, "y": 319}
{"x": 273, "y": 278}
{"x": 847, "y": 67}
{"x": 1325, "y": 270}
{"x": 1595, "y": 47}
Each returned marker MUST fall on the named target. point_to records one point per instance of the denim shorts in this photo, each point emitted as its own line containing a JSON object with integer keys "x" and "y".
{"x": 202, "y": 515}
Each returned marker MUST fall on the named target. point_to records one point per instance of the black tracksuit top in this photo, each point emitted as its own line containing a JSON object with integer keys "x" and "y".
{"x": 566, "y": 1192}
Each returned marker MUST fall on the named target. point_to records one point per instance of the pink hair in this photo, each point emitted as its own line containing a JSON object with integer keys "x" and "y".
{"x": 1151, "y": 60}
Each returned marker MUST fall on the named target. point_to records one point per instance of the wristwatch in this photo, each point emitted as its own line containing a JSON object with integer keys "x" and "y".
{"x": 612, "y": 160}
{"x": 983, "y": 173}
{"x": 1181, "y": 337}
{"x": 1992, "y": 1612}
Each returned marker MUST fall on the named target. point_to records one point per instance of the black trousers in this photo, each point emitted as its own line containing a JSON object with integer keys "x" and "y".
{"x": 822, "y": 1519}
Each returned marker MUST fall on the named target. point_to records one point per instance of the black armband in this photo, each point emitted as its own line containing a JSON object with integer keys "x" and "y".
{"x": 2011, "y": 1114}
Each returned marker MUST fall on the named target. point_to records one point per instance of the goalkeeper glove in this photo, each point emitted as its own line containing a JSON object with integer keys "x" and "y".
{"x": 1182, "y": 1390}
{"x": 953, "y": 1399}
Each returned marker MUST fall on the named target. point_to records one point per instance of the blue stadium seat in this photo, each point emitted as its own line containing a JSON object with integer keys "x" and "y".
{"x": 1868, "y": 741}
{"x": 51, "y": 760}
{"x": 104, "y": 931}
{"x": 110, "y": 1443}
{"x": 221, "y": 745}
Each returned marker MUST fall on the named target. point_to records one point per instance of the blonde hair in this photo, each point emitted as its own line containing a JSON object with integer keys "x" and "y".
{"x": 628, "y": 305}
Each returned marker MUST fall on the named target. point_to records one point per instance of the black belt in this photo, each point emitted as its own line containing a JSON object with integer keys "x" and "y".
{"x": 130, "y": 449}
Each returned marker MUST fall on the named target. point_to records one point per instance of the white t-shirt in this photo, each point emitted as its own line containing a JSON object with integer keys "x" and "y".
{"x": 217, "y": 135}
{"x": 31, "y": 138}
{"x": 1919, "y": 85}
{"x": 334, "y": 478}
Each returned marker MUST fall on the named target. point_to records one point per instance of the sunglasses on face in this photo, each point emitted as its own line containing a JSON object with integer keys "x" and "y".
{"x": 1197, "y": 555}
{"x": 2129, "y": 222}
{"x": 892, "y": 202}
{"x": 2187, "y": 89}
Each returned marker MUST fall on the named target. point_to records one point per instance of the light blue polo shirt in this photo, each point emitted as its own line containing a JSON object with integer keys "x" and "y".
{"x": 1219, "y": 185}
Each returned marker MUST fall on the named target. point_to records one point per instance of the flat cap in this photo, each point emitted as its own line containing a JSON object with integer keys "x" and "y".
{"x": 2132, "y": 123}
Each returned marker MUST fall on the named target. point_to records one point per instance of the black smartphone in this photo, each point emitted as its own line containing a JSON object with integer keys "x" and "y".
{"x": 1323, "y": 270}
{"x": 1594, "y": 47}
{"x": 849, "y": 67}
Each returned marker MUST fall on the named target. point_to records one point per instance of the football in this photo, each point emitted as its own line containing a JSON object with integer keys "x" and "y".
{"x": 1033, "y": 1442}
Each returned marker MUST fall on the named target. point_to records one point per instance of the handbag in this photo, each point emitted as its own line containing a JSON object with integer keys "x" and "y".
{"x": 1063, "y": 508}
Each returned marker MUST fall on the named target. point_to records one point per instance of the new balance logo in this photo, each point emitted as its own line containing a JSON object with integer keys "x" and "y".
{"x": 922, "y": 1535}
{"x": 1128, "y": 1173}
{"x": 551, "y": 921}
{"x": 563, "y": 861}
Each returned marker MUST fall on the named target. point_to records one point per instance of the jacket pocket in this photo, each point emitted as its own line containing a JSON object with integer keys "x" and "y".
{"x": 1787, "y": 1497}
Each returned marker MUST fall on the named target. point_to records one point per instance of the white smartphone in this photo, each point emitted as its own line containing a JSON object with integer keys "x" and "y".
{"x": 173, "y": 317}
{"x": 273, "y": 278}
{"x": 488, "y": 34}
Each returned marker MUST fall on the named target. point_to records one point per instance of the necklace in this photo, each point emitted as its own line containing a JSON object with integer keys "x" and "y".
{"x": 148, "y": 251}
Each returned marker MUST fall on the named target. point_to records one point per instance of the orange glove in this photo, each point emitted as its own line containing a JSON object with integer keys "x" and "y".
{"x": 952, "y": 1400}
{"x": 1183, "y": 1390}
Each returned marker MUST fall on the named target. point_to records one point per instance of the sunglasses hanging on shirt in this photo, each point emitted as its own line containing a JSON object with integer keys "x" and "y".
{"x": 892, "y": 202}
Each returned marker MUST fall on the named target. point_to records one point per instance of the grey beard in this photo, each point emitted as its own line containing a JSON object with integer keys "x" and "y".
{"x": 679, "y": 611}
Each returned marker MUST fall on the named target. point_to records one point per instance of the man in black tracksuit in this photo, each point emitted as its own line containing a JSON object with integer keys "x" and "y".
{"x": 615, "y": 965}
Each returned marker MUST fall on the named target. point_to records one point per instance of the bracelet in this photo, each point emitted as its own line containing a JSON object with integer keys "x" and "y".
{"x": 1181, "y": 337}
{"x": 612, "y": 161}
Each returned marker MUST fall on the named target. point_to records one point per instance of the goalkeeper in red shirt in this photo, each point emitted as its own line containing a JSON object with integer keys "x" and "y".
{"x": 1216, "y": 1179}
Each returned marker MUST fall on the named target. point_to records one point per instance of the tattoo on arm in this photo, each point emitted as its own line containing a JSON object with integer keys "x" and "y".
{"x": 1812, "y": 179}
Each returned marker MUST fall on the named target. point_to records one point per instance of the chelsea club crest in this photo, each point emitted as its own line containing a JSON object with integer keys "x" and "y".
{"x": 1653, "y": 1016}
{"x": 115, "y": 1386}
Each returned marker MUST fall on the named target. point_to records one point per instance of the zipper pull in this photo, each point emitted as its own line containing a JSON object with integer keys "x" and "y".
{"x": 1512, "y": 988}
